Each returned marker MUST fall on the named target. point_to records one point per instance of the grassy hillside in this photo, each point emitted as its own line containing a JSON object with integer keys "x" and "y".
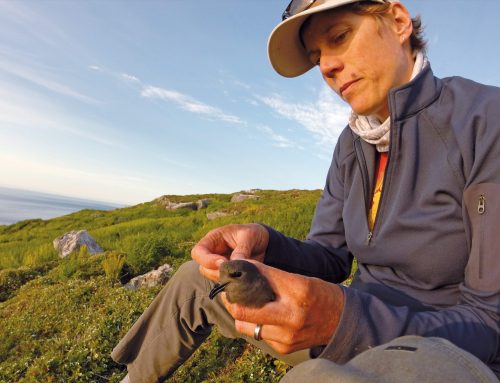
{"x": 60, "y": 319}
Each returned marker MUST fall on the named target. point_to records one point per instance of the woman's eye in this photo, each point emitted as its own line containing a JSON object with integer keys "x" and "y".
{"x": 337, "y": 39}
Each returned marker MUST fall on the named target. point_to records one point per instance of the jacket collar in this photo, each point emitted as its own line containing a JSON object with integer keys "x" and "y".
{"x": 412, "y": 97}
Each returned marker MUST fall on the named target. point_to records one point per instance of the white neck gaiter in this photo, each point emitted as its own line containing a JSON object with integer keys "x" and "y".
{"x": 369, "y": 128}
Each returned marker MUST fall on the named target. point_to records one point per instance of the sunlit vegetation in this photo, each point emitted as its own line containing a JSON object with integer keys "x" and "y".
{"x": 60, "y": 318}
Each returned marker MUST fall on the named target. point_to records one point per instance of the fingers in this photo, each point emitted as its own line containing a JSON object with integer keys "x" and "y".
{"x": 213, "y": 275}
{"x": 271, "y": 313}
{"x": 277, "y": 337}
{"x": 210, "y": 250}
{"x": 230, "y": 241}
{"x": 241, "y": 251}
{"x": 204, "y": 257}
{"x": 268, "y": 332}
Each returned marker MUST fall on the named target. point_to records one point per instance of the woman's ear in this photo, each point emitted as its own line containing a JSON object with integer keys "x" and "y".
{"x": 402, "y": 21}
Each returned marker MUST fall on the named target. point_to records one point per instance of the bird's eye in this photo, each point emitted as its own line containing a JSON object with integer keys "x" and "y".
{"x": 235, "y": 274}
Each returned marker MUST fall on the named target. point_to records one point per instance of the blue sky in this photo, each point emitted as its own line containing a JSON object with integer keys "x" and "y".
{"x": 124, "y": 101}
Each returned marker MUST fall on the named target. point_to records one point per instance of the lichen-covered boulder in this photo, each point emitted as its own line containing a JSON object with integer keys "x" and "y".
{"x": 200, "y": 204}
{"x": 183, "y": 205}
{"x": 160, "y": 276}
{"x": 73, "y": 240}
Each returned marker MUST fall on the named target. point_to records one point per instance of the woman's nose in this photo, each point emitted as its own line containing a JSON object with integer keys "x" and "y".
{"x": 329, "y": 66}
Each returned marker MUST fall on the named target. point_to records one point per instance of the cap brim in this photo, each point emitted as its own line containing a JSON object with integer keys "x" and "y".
{"x": 286, "y": 52}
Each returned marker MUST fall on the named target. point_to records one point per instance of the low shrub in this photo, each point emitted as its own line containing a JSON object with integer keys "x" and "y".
{"x": 81, "y": 265}
{"x": 12, "y": 279}
{"x": 72, "y": 263}
{"x": 41, "y": 255}
{"x": 61, "y": 325}
{"x": 64, "y": 331}
{"x": 148, "y": 252}
{"x": 113, "y": 265}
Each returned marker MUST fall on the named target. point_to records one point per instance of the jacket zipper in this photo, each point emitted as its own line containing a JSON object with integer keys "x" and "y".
{"x": 384, "y": 187}
{"x": 481, "y": 209}
{"x": 481, "y": 206}
{"x": 386, "y": 180}
{"x": 366, "y": 183}
{"x": 367, "y": 188}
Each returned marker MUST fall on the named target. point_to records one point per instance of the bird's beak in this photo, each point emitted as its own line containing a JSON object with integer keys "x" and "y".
{"x": 218, "y": 288}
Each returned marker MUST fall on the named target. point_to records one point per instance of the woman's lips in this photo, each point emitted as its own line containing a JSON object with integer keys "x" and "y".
{"x": 344, "y": 87}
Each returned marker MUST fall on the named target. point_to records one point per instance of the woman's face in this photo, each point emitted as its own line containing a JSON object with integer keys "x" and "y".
{"x": 360, "y": 57}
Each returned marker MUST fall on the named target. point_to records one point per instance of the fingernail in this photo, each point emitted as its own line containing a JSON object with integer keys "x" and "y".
{"x": 219, "y": 262}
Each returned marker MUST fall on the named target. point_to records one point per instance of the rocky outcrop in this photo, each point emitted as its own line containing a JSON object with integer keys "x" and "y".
{"x": 162, "y": 201}
{"x": 242, "y": 197}
{"x": 73, "y": 240}
{"x": 165, "y": 202}
{"x": 202, "y": 203}
{"x": 160, "y": 276}
{"x": 182, "y": 205}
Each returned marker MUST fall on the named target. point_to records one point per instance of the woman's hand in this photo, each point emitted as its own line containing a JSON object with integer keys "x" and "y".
{"x": 230, "y": 242}
{"x": 306, "y": 312}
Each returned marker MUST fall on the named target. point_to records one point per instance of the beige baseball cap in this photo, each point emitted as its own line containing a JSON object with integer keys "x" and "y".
{"x": 286, "y": 52}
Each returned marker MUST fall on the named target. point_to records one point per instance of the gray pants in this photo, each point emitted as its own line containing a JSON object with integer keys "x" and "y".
{"x": 181, "y": 317}
{"x": 175, "y": 324}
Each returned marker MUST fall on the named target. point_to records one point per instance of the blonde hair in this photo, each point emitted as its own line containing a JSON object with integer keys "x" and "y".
{"x": 378, "y": 10}
{"x": 417, "y": 40}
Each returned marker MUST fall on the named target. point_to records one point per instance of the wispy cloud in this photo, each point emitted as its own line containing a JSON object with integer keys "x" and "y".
{"x": 25, "y": 110}
{"x": 279, "y": 140}
{"x": 43, "y": 81}
{"x": 183, "y": 101}
{"x": 31, "y": 22}
{"x": 122, "y": 76}
{"x": 325, "y": 119}
{"x": 129, "y": 77}
{"x": 189, "y": 104}
{"x": 242, "y": 84}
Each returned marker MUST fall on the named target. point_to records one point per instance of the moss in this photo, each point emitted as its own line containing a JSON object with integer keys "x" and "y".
{"x": 61, "y": 318}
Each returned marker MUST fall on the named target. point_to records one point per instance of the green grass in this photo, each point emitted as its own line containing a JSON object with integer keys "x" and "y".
{"x": 60, "y": 318}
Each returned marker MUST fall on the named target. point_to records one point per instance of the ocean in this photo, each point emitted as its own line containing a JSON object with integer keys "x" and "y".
{"x": 17, "y": 205}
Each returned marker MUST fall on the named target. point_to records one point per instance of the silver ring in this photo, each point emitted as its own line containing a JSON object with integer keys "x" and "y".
{"x": 256, "y": 332}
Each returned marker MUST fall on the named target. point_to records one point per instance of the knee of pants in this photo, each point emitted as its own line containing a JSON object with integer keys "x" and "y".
{"x": 186, "y": 281}
{"x": 189, "y": 269}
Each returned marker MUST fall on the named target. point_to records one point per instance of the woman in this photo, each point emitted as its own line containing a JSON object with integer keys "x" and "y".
{"x": 411, "y": 193}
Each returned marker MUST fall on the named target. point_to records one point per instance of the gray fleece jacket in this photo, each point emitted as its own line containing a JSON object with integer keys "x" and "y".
{"x": 430, "y": 266}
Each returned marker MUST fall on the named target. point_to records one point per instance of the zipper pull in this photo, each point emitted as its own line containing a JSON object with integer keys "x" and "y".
{"x": 481, "y": 207}
{"x": 370, "y": 235}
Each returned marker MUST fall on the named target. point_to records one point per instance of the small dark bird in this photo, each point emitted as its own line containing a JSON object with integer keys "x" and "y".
{"x": 243, "y": 284}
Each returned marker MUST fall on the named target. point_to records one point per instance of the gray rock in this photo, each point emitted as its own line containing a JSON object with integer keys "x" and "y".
{"x": 183, "y": 205}
{"x": 243, "y": 197}
{"x": 73, "y": 240}
{"x": 163, "y": 201}
{"x": 200, "y": 204}
{"x": 156, "y": 277}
